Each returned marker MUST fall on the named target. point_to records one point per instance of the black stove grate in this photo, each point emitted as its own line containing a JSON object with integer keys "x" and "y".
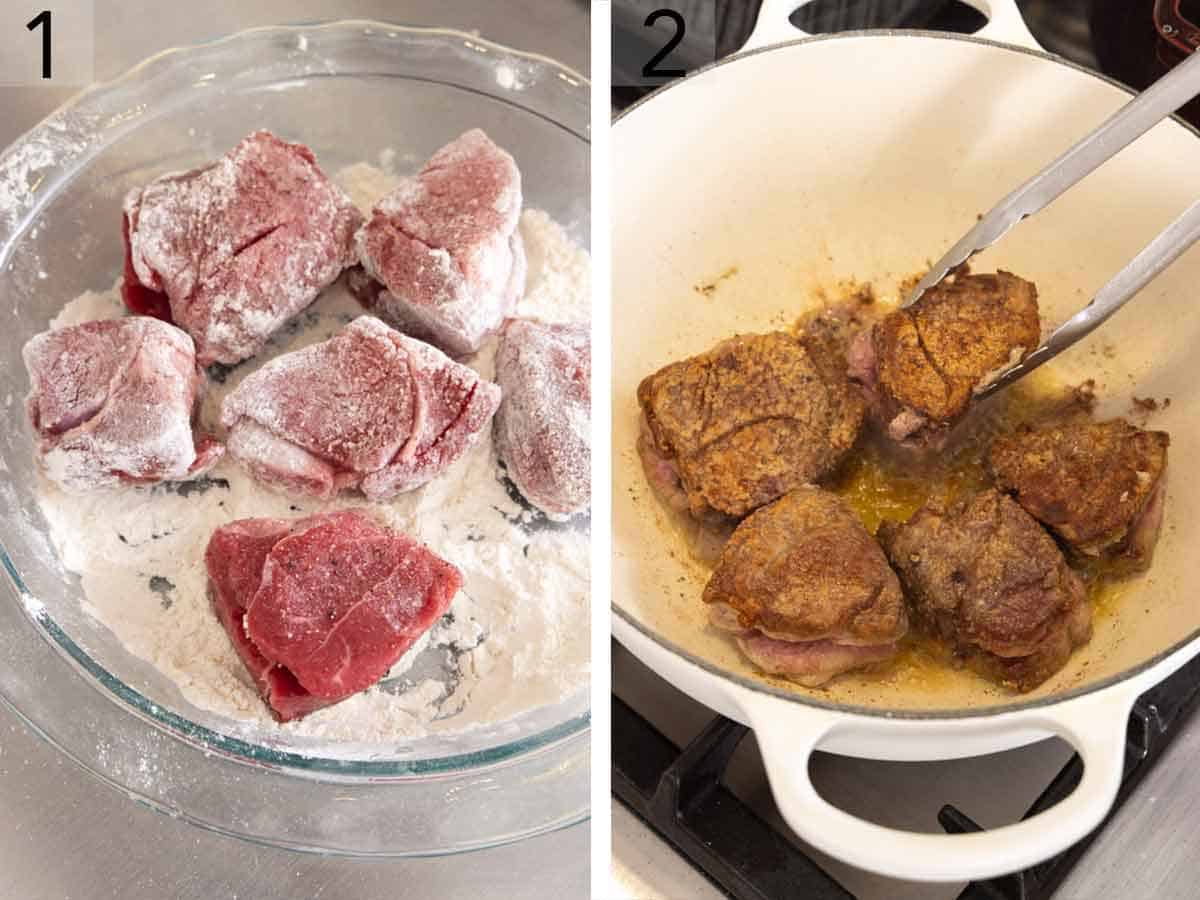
{"x": 680, "y": 795}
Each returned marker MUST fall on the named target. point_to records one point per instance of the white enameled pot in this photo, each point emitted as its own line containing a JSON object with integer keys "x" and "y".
{"x": 781, "y": 173}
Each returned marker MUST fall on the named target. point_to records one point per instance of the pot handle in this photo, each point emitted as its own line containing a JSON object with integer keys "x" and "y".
{"x": 1005, "y": 23}
{"x": 1094, "y": 724}
{"x": 774, "y": 26}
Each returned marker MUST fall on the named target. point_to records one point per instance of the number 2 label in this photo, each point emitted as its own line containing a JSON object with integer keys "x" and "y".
{"x": 651, "y": 70}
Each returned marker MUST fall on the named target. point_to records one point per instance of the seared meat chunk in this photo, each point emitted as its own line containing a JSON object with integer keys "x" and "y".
{"x": 984, "y": 576}
{"x": 921, "y": 365}
{"x": 746, "y": 422}
{"x": 837, "y": 325}
{"x": 1098, "y": 486}
{"x": 807, "y": 589}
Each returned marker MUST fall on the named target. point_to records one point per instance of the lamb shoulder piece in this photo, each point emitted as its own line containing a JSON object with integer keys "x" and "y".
{"x": 112, "y": 403}
{"x": 233, "y": 250}
{"x": 442, "y": 257}
{"x": 368, "y": 408}
{"x": 321, "y": 608}
{"x": 732, "y": 429}
{"x": 543, "y": 426}
{"x": 807, "y": 590}
{"x": 1099, "y": 486}
{"x": 920, "y": 366}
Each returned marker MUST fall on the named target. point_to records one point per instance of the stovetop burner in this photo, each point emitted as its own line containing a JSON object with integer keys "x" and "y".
{"x": 680, "y": 794}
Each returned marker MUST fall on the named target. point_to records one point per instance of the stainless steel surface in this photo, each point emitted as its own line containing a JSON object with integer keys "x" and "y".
{"x": 1125, "y": 126}
{"x": 64, "y": 835}
{"x": 1147, "y": 850}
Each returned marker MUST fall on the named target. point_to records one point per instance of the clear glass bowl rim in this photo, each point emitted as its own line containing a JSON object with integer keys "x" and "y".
{"x": 135, "y": 702}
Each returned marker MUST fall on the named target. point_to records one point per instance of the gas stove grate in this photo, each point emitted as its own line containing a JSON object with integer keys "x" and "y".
{"x": 680, "y": 795}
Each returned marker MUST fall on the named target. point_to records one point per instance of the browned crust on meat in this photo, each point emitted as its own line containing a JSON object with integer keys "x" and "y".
{"x": 804, "y": 568}
{"x": 751, "y": 419}
{"x": 933, "y": 354}
{"x": 1071, "y": 629}
{"x": 984, "y": 576}
{"x": 1088, "y": 482}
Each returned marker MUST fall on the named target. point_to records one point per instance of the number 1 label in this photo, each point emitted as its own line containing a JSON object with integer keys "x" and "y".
{"x": 54, "y": 48}
{"x": 42, "y": 20}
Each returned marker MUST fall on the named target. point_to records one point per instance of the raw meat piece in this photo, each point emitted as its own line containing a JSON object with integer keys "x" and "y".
{"x": 368, "y": 408}
{"x": 139, "y": 299}
{"x": 921, "y": 366}
{"x": 112, "y": 402}
{"x": 807, "y": 590}
{"x": 984, "y": 575}
{"x": 445, "y": 259}
{"x": 1098, "y": 485}
{"x": 231, "y": 251}
{"x": 234, "y": 559}
{"x": 321, "y": 608}
{"x": 543, "y": 426}
{"x": 741, "y": 425}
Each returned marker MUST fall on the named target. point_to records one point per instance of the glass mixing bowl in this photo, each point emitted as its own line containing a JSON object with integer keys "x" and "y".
{"x": 350, "y": 90}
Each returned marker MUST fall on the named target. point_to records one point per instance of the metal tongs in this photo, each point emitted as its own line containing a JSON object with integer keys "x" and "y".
{"x": 1128, "y": 124}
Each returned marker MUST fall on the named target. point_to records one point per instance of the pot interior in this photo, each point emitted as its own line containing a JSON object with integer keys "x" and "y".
{"x": 784, "y": 175}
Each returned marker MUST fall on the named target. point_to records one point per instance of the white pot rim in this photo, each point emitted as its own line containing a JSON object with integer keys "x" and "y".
{"x": 1151, "y": 670}
{"x": 741, "y": 55}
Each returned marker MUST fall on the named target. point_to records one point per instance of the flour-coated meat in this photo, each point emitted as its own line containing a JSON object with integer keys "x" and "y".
{"x": 442, "y": 258}
{"x": 233, "y": 250}
{"x": 543, "y": 426}
{"x": 369, "y": 408}
{"x": 112, "y": 403}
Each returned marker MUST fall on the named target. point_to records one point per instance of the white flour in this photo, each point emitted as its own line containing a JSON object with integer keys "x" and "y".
{"x": 517, "y": 634}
